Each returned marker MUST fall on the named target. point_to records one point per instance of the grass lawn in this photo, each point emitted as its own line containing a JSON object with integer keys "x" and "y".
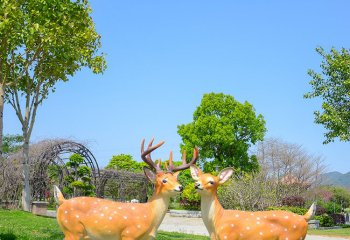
{"x": 19, "y": 225}
{"x": 343, "y": 232}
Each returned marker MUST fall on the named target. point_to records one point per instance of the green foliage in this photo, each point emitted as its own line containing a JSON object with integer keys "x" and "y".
{"x": 332, "y": 207}
{"x": 11, "y": 143}
{"x": 79, "y": 178}
{"x": 223, "y": 129}
{"x": 296, "y": 210}
{"x": 325, "y": 220}
{"x": 190, "y": 199}
{"x": 333, "y": 86}
{"x": 125, "y": 162}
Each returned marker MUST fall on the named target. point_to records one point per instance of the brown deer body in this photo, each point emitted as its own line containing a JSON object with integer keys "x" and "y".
{"x": 100, "y": 219}
{"x": 233, "y": 224}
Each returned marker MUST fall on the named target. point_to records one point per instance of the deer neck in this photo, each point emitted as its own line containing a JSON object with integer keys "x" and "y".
{"x": 159, "y": 205}
{"x": 211, "y": 210}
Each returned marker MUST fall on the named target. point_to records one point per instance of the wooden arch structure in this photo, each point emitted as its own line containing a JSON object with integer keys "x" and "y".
{"x": 122, "y": 186}
{"x": 45, "y": 155}
{"x": 57, "y": 154}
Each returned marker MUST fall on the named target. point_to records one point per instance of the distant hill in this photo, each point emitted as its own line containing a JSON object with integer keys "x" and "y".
{"x": 336, "y": 179}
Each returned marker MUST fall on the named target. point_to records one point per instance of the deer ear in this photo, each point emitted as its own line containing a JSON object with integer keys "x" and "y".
{"x": 150, "y": 174}
{"x": 195, "y": 172}
{"x": 225, "y": 174}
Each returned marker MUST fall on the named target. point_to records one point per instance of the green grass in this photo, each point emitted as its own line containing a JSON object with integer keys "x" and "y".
{"x": 19, "y": 225}
{"x": 342, "y": 232}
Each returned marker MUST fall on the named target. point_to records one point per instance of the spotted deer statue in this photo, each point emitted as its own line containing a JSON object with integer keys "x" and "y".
{"x": 101, "y": 219}
{"x": 233, "y": 224}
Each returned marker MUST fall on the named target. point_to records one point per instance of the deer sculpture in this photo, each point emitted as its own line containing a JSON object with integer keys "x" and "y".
{"x": 95, "y": 218}
{"x": 233, "y": 224}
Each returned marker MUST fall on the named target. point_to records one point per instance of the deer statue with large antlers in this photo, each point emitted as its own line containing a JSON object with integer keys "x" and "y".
{"x": 233, "y": 224}
{"x": 95, "y": 218}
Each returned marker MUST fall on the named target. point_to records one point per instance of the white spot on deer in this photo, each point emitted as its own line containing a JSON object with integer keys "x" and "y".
{"x": 265, "y": 217}
{"x": 294, "y": 226}
{"x": 127, "y": 231}
{"x": 241, "y": 234}
{"x": 115, "y": 212}
{"x": 102, "y": 214}
{"x": 286, "y": 238}
{"x": 286, "y": 217}
{"x": 274, "y": 215}
{"x": 110, "y": 218}
{"x": 257, "y": 218}
{"x": 106, "y": 208}
{"x": 232, "y": 225}
{"x": 119, "y": 207}
{"x": 248, "y": 228}
{"x": 66, "y": 221}
{"x": 96, "y": 221}
{"x": 252, "y": 214}
{"x": 125, "y": 217}
{"x": 261, "y": 233}
{"x": 77, "y": 216}
{"x": 285, "y": 229}
{"x": 133, "y": 208}
{"x": 225, "y": 237}
{"x": 237, "y": 215}
{"x": 258, "y": 222}
{"x": 144, "y": 216}
{"x": 139, "y": 226}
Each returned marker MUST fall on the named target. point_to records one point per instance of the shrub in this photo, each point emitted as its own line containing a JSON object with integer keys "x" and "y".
{"x": 293, "y": 201}
{"x": 320, "y": 210}
{"x": 338, "y": 218}
{"x": 296, "y": 210}
{"x": 190, "y": 199}
{"x": 325, "y": 220}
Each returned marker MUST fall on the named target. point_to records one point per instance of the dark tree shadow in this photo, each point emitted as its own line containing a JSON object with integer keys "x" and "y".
{"x": 7, "y": 236}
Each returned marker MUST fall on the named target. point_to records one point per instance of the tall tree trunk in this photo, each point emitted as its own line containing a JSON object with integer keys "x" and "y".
{"x": 26, "y": 198}
{"x": 2, "y": 93}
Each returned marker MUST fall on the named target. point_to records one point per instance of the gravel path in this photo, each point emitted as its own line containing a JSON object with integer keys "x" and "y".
{"x": 196, "y": 226}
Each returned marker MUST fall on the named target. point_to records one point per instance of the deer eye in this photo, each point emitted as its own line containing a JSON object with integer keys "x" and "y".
{"x": 211, "y": 182}
{"x": 165, "y": 181}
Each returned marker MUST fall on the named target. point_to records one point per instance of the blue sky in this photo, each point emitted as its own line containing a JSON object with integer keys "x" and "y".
{"x": 164, "y": 55}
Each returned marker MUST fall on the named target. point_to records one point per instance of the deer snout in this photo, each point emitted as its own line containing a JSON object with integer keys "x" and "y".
{"x": 197, "y": 185}
{"x": 179, "y": 188}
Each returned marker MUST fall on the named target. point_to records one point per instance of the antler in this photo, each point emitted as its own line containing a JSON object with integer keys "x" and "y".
{"x": 146, "y": 155}
{"x": 184, "y": 165}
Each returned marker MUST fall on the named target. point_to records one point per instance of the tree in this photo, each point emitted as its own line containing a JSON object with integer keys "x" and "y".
{"x": 57, "y": 38}
{"x": 290, "y": 166}
{"x": 11, "y": 22}
{"x": 223, "y": 129}
{"x": 79, "y": 177}
{"x": 333, "y": 86}
{"x": 125, "y": 162}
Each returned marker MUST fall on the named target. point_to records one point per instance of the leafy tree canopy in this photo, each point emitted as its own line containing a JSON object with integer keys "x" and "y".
{"x": 332, "y": 84}
{"x": 125, "y": 162}
{"x": 11, "y": 143}
{"x": 223, "y": 129}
